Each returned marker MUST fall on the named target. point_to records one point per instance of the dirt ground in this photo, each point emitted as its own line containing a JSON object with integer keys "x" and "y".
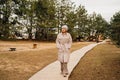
{"x": 24, "y": 45}
{"x": 101, "y": 63}
{"x": 26, "y": 61}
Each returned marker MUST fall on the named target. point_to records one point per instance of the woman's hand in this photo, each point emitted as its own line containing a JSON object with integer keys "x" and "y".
{"x": 68, "y": 48}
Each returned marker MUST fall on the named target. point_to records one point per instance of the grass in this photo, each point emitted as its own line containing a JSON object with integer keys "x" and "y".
{"x": 101, "y": 63}
{"x": 22, "y": 65}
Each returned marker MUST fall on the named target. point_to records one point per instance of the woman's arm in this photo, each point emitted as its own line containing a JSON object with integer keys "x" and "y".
{"x": 57, "y": 42}
{"x": 70, "y": 42}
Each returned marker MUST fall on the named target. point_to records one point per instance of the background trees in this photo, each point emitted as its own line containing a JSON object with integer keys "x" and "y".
{"x": 42, "y": 19}
{"x": 45, "y": 18}
{"x": 115, "y": 28}
{"x": 5, "y": 11}
{"x": 82, "y": 21}
{"x": 97, "y": 25}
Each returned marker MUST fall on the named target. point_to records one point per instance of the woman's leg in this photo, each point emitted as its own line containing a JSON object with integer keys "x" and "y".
{"x": 61, "y": 67}
{"x": 65, "y": 69}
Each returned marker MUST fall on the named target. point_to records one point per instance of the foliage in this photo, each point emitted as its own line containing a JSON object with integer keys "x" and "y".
{"x": 115, "y": 28}
{"x": 40, "y": 18}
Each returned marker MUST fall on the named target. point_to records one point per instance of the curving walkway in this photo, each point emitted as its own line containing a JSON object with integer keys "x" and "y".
{"x": 52, "y": 71}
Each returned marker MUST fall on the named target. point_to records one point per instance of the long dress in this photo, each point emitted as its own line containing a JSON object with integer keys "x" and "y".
{"x": 63, "y": 42}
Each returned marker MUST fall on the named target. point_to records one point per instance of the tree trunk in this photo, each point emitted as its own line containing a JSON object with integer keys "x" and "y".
{"x": 30, "y": 33}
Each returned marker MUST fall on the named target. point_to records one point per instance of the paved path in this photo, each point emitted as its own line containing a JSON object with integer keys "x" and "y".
{"x": 52, "y": 71}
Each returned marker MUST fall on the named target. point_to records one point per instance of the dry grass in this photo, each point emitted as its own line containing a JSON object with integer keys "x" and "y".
{"x": 101, "y": 63}
{"x": 24, "y": 45}
{"x": 21, "y": 65}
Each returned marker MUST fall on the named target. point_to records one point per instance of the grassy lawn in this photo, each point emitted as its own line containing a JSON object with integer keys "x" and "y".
{"x": 21, "y": 65}
{"x": 101, "y": 63}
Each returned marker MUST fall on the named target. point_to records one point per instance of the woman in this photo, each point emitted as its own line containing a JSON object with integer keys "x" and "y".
{"x": 64, "y": 42}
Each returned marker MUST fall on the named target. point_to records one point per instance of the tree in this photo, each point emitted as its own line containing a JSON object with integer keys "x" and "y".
{"x": 97, "y": 25}
{"x": 12, "y": 11}
{"x": 71, "y": 22}
{"x": 63, "y": 8}
{"x": 5, "y": 11}
{"x": 81, "y": 13}
{"x": 45, "y": 13}
{"x": 115, "y": 28}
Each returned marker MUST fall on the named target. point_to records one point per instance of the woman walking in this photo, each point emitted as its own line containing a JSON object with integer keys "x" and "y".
{"x": 64, "y": 42}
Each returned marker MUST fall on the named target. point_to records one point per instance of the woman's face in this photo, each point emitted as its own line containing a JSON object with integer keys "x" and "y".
{"x": 64, "y": 30}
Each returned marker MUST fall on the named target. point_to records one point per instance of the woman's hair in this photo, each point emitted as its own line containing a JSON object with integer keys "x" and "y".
{"x": 65, "y": 26}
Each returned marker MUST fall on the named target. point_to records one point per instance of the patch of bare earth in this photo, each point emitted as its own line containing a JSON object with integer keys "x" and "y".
{"x": 22, "y": 64}
{"x": 101, "y": 63}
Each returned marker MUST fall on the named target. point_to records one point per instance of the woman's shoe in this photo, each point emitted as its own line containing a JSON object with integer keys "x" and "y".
{"x": 64, "y": 75}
